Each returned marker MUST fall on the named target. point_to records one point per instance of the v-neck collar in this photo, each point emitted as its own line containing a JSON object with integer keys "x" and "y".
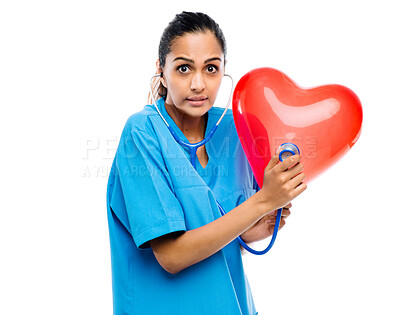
{"x": 211, "y": 120}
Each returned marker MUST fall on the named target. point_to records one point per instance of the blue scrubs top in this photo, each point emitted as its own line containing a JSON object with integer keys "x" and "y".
{"x": 154, "y": 190}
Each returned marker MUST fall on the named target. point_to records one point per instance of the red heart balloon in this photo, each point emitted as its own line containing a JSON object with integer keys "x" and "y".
{"x": 269, "y": 109}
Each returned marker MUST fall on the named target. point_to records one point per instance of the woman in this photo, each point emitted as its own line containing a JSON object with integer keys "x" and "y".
{"x": 172, "y": 251}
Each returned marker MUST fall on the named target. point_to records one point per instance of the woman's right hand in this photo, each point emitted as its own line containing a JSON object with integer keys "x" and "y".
{"x": 282, "y": 182}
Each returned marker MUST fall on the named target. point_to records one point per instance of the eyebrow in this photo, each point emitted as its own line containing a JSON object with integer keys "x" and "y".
{"x": 192, "y": 61}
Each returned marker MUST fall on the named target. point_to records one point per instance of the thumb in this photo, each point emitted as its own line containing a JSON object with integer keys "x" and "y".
{"x": 274, "y": 161}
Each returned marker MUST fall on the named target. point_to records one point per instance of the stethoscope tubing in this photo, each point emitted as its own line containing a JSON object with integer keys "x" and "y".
{"x": 271, "y": 243}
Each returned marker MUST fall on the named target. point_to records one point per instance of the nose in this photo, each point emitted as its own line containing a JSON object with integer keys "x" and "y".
{"x": 197, "y": 83}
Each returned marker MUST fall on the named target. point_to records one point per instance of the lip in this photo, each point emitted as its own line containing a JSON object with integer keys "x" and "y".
{"x": 197, "y": 100}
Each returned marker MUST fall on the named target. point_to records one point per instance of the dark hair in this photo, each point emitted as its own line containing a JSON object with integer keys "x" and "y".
{"x": 187, "y": 22}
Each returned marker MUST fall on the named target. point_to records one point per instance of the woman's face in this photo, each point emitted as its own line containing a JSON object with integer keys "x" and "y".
{"x": 193, "y": 73}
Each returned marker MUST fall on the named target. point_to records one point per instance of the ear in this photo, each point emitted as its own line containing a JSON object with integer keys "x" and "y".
{"x": 160, "y": 71}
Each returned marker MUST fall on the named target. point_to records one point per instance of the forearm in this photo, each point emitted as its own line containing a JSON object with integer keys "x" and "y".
{"x": 198, "y": 244}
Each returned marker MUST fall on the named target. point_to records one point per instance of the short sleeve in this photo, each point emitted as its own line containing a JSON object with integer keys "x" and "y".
{"x": 151, "y": 206}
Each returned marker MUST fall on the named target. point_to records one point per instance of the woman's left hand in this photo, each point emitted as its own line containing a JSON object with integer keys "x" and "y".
{"x": 265, "y": 226}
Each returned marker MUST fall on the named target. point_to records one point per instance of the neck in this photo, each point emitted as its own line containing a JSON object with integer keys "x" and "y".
{"x": 193, "y": 128}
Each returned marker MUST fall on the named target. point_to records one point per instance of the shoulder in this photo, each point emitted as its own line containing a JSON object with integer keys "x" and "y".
{"x": 138, "y": 132}
{"x": 140, "y": 121}
{"x": 139, "y": 143}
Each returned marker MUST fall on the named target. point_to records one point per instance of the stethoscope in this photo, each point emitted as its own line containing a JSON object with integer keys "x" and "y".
{"x": 285, "y": 150}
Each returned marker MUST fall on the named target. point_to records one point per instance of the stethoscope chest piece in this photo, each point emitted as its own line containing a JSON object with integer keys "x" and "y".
{"x": 286, "y": 150}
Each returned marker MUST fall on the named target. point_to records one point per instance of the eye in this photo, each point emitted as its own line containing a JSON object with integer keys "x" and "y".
{"x": 183, "y": 69}
{"x": 211, "y": 69}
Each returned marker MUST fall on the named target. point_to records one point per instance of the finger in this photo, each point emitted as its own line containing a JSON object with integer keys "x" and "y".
{"x": 265, "y": 220}
{"x": 273, "y": 213}
{"x": 295, "y": 181}
{"x": 274, "y": 161}
{"x": 285, "y": 213}
{"x": 271, "y": 227}
{"x": 289, "y": 162}
{"x": 288, "y": 206}
{"x": 292, "y": 172}
{"x": 299, "y": 189}
{"x": 271, "y": 220}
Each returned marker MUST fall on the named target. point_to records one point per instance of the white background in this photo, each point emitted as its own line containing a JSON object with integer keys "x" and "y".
{"x": 72, "y": 72}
